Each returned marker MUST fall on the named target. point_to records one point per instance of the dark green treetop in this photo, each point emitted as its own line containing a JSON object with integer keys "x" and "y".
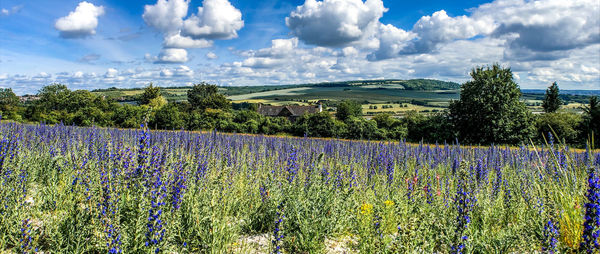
{"x": 552, "y": 100}
{"x": 489, "y": 110}
{"x": 203, "y": 96}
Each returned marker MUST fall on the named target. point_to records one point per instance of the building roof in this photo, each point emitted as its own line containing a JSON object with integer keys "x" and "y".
{"x": 291, "y": 110}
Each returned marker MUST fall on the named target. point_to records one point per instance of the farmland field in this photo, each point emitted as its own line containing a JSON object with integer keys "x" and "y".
{"x": 422, "y": 95}
{"x": 96, "y": 190}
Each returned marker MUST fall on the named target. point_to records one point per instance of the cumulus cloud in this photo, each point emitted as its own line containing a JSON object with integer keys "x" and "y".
{"x": 440, "y": 28}
{"x": 391, "y": 41}
{"x": 111, "y": 73}
{"x": 172, "y": 55}
{"x": 183, "y": 71}
{"x": 166, "y": 15}
{"x": 80, "y": 23}
{"x": 334, "y": 23}
{"x": 544, "y": 30}
{"x": 178, "y": 41}
{"x": 211, "y": 55}
{"x": 216, "y": 19}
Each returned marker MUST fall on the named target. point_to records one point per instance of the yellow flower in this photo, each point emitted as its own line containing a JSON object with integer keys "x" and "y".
{"x": 389, "y": 203}
{"x": 366, "y": 209}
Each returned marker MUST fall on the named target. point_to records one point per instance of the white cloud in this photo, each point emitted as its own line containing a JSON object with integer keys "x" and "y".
{"x": 183, "y": 71}
{"x": 172, "y": 55}
{"x": 166, "y": 15}
{"x": 440, "y": 28}
{"x": 111, "y": 73}
{"x": 391, "y": 40}
{"x": 216, "y": 19}
{"x": 166, "y": 73}
{"x": 178, "y": 41}
{"x": 544, "y": 30}
{"x": 211, "y": 55}
{"x": 279, "y": 48}
{"x": 42, "y": 75}
{"x": 80, "y": 23}
{"x": 334, "y": 23}
{"x": 11, "y": 11}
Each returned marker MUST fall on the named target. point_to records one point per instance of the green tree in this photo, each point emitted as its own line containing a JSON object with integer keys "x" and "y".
{"x": 203, "y": 96}
{"x": 347, "y": 109}
{"x": 150, "y": 92}
{"x": 591, "y": 121}
{"x": 563, "y": 125}
{"x": 129, "y": 116}
{"x": 319, "y": 125}
{"x": 360, "y": 128}
{"x": 9, "y": 103}
{"x": 168, "y": 117}
{"x": 489, "y": 110}
{"x": 54, "y": 97}
{"x": 552, "y": 100}
{"x": 389, "y": 127}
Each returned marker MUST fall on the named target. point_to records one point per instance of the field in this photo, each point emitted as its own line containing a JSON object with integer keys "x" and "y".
{"x": 419, "y": 94}
{"x": 91, "y": 190}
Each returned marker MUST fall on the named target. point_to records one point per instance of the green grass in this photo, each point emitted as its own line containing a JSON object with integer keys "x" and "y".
{"x": 367, "y": 197}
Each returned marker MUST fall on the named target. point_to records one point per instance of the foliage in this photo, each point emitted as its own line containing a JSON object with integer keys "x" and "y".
{"x": 318, "y": 125}
{"x": 9, "y": 103}
{"x": 150, "y": 92}
{"x": 389, "y": 127}
{"x": 562, "y": 125}
{"x": 68, "y": 189}
{"x": 435, "y": 128}
{"x": 203, "y": 96}
{"x": 347, "y": 109}
{"x": 489, "y": 110}
{"x": 361, "y": 128}
{"x": 168, "y": 118}
{"x": 552, "y": 99}
{"x": 591, "y": 120}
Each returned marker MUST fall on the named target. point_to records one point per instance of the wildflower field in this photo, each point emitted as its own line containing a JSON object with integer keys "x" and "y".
{"x": 97, "y": 190}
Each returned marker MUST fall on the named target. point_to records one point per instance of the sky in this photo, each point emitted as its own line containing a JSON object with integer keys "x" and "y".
{"x": 113, "y": 43}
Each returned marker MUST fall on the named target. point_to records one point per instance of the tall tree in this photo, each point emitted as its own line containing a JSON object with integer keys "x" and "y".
{"x": 8, "y": 99}
{"x": 150, "y": 93}
{"x": 591, "y": 120}
{"x": 54, "y": 97}
{"x": 552, "y": 100}
{"x": 489, "y": 110}
{"x": 347, "y": 109}
{"x": 203, "y": 96}
{"x": 8, "y": 103}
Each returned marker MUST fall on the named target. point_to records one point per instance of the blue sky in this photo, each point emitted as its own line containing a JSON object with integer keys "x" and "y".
{"x": 104, "y": 43}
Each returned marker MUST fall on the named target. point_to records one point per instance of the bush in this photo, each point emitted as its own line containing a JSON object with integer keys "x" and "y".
{"x": 562, "y": 125}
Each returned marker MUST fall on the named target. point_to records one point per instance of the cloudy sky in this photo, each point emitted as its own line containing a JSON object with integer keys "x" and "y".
{"x": 105, "y": 43}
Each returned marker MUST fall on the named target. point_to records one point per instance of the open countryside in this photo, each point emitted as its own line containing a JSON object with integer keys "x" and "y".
{"x": 299, "y": 126}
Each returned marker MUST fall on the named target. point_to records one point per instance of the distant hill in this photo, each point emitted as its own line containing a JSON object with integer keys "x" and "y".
{"x": 179, "y": 93}
{"x": 411, "y": 84}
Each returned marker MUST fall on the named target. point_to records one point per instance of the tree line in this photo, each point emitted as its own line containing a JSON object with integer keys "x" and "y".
{"x": 489, "y": 111}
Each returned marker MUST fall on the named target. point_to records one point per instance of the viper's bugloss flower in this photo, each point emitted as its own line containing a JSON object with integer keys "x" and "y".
{"x": 464, "y": 202}
{"x": 550, "y": 237}
{"x": 591, "y": 226}
{"x": 278, "y": 232}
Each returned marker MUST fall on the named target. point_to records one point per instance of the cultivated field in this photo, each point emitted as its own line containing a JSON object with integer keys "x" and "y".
{"x": 91, "y": 190}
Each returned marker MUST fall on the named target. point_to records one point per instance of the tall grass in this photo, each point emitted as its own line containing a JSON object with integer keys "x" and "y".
{"x": 90, "y": 190}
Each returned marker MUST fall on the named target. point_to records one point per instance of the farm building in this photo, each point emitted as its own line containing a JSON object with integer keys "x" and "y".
{"x": 292, "y": 112}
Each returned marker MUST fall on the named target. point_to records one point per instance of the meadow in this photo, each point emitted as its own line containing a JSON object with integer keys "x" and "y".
{"x": 68, "y": 189}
